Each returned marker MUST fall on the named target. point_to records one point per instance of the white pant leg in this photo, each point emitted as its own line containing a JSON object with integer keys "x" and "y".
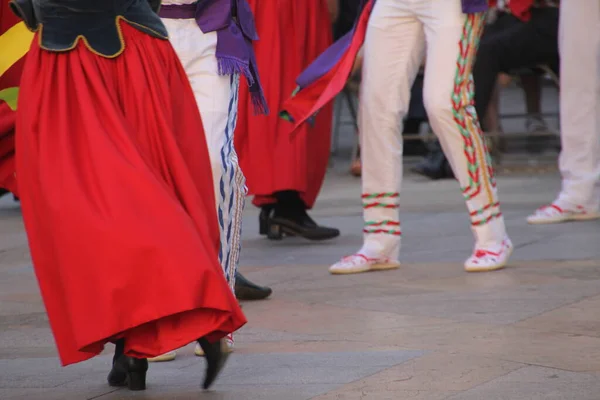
{"x": 217, "y": 98}
{"x": 579, "y": 41}
{"x": 393, "y": 53}
{"x": 452, "y": 39}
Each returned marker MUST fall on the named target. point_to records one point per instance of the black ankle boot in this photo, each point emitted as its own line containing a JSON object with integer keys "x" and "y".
{"x": 290, "y": 218}
{"x": 246, "y": 290}
{"x": 127, "y": 371}
{"x": 215, "y": 360}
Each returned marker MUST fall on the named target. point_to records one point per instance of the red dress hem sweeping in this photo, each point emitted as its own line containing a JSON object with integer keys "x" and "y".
{"x": 117, "y": 198}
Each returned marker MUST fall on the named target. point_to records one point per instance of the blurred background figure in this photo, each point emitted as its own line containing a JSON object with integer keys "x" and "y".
{"x": 285, "y": 173}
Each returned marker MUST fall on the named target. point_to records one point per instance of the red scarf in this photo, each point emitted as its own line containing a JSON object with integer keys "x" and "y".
{"x": 519, "y": 8}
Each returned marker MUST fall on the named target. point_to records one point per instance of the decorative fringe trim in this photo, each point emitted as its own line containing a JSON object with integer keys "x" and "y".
{"x": 230, "y": 66}
{"x": 259, "y": 102}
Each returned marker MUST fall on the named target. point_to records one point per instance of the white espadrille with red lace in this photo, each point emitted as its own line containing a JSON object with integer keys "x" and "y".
{"x": 357, "y": 263}
{"x": 554, "y": 214}
{"x": 490, "y": 259}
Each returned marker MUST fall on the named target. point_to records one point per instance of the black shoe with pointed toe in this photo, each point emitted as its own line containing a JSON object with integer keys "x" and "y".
{"x": 247, "y": 290}
{"x": 215, "y": 360}
{"x": 289, "y": 218}
{"x": 302, "y": 225}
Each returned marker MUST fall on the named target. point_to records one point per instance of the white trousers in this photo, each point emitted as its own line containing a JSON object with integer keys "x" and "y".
{"x": 579, "y": 42}
{"x": 217, "y": 98}
{"x": 399, "y": 33}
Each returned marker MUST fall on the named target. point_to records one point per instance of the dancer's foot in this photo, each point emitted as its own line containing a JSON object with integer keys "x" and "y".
{"x": 228, "y": 348}
{"x": 302, "y": 225}
{"x": 554, "y": 213}
{"x": 128, "y": 371}
{"x": 170, "y": 356}
{"x": 490, "y": 258}
{"x": 215, "y": 360}
{"x": 290, "y": 218}
{"x": 358, "y": 263}
{"x": 247, "y": 290}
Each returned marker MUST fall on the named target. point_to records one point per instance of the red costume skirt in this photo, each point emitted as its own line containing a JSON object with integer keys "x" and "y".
{"x": 292, "y": 34}
{"x": 7, "y": 148}
{"x": 117, "y": 197}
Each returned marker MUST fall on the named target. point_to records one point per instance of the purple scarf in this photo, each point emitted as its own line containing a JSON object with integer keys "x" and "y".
{"x": 234, "y": 38}
{"x": 474, "y": 6}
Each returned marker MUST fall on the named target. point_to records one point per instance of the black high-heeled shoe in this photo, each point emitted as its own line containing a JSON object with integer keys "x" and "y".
{"x": 127, "y": 371}
{"x": 215, "y": 360}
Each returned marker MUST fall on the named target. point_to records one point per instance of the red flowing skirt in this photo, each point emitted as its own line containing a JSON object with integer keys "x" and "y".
{"x": 292, "y": 34}
{"x": 7, "y": 148}
{"x": 117, "y": 198}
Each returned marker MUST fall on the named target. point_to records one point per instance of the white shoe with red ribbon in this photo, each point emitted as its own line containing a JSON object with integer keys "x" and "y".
{"x": 491, "y": 258}
{"x": 554, "y": 214}
{"x": 358, "y": 263}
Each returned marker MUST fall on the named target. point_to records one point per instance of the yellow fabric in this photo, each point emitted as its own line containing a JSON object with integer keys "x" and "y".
{"x": 14, "y": 43}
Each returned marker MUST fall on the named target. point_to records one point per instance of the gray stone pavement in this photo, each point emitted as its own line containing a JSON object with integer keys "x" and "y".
{"x": 426, "y": 331}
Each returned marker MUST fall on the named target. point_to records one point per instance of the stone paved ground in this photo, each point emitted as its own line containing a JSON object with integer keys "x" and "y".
{"x": 427, "y": 331}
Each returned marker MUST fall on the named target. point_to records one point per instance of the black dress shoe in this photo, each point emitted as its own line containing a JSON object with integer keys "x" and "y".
{"x": 130, "y": 372}
{"x": 434, "y": 167}
{"x": 302, "y": 226}
{"x": 246, "y": 290}
{"x": 215, "y": 360}
{"x": 290, "y": 219}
